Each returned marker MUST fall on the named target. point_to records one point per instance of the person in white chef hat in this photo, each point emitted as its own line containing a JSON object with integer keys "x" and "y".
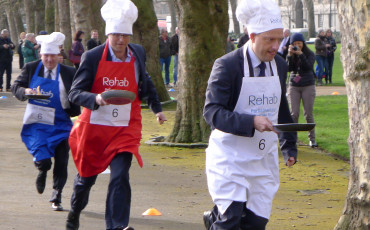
{"x": 244, "y": 98}
{"x": 46, "y": 122}
{"x": 109, "y": 135}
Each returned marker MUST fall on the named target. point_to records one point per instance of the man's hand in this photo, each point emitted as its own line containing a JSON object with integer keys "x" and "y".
{"x": 262, "y": 124}
{"x": 160, "y": 118}
{"x": 100, "y": 101}
{"x": 6, "y": 46}
{"x": 29, "y": 91}
{"x": 291, "y": 161}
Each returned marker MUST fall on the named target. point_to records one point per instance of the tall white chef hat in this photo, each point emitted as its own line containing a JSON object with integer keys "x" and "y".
{"x": 50, "y": 43}
{"x": 259, "y": 15}
{"x": 119, "y": 16}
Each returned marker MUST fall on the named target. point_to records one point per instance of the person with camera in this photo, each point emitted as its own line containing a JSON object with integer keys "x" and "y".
{"x": 302, "y": 81}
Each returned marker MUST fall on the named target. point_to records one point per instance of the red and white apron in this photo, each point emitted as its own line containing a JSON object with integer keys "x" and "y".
{"x": 97, "y": 136}
{"x": 245, "y": 169}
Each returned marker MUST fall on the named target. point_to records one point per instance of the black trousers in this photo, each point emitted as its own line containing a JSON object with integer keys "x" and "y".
{"x": 237, "y": 217}
{"x": 118, "y": 203}
{"x": 5, "y": 66}
{"x": 60, "y": 171}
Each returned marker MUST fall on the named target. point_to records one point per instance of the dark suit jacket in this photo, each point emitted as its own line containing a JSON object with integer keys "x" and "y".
{"x": 85, "y": 77}
{"x": 285, "y": 53}
{"x": 222, "y": 94}
{"x": 23, "y": 80}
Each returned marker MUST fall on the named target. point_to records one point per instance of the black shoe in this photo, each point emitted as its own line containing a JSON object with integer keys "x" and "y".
{"x": 56, "y": 206}
{"x": 73, "y": 221}
{"x": 207, "y": 219}
{"x": 40, "y": 181}
{"x": 313, "y": 144}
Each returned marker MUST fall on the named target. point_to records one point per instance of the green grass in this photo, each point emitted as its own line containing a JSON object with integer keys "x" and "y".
{"x": 332, "y": 128}
{"x": 337, "y": 77}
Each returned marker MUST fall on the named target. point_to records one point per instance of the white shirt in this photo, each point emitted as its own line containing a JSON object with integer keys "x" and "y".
{"x": 255, "y": 60}
{"x": 62, "y": 90}
{"x": 128, "y": 59}
{"x": 282, "y": 44}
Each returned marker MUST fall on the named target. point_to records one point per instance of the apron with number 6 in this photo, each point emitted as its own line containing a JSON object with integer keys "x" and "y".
{"x": 45, "y": 123}
{"x": 245, "y": 169}
{"x": 97, "y": 136}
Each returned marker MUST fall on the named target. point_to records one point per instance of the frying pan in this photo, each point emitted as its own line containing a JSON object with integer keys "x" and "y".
{"x": 293, "y": 127}
{"x": 118, "y": 97}
{"x": 35, "y": 96}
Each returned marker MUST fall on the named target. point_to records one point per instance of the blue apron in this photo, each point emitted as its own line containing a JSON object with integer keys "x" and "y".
{"x": 45, "y": 123}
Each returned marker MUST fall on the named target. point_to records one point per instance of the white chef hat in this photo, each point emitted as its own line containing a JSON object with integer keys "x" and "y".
{"x": 119, "y": 16}
{"x": 50, "y": 43}
{"x": 259, "y": 15}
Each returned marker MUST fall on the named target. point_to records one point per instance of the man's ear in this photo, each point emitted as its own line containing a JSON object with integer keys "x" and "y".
{"x": 252, "y": 36}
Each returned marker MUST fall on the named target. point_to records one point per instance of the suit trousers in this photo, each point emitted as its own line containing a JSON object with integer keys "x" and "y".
{"x": 6, "y": 66}
{"x": 237, "y": 217}
{"x": 307, "y": 94}
{"x": 118, "y": 202}
{"x": 60, "y": 171}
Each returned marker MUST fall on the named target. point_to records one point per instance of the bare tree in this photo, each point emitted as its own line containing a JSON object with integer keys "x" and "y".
{"x": 171, "y": 6}
{"x": 146, "y": 34}
{"x": 80, "y": 13}
{"x": 203, "y": 41}
{"x": 235, "y": 20}
{"x": 354, "y": 21}
{"x": 310, "y": 18}
{"x": 49, "y": 15}
{"x": 29, "y": 8}
{"x": 56, "y": 16}
{"x": 11, "y": 22}
{"x": 39, "y": 15}
{"x": 64, "y": 22}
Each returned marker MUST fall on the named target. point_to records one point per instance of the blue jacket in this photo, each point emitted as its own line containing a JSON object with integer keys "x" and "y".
{"x": 85, "y": 77}
{"x": 222, "y": 94}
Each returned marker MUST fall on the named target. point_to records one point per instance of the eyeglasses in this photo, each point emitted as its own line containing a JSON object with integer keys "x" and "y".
{"x": 116, "y": 35}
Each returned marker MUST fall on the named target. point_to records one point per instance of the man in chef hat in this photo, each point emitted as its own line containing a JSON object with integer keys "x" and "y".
{"x": 46, "y": 122}
{"x": 244, "y": 98}
{"x": 105, "y": 134}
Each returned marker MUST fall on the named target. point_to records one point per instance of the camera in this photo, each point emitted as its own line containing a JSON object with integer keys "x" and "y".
{"x": 295, "y": 48}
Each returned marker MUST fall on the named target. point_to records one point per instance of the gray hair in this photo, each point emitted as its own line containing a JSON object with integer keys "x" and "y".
{"x": 30, "y": 35}
{"x": 4, "y": 31}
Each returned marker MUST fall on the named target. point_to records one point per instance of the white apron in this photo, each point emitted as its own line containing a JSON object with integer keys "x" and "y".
{"x": 245, "y": 169}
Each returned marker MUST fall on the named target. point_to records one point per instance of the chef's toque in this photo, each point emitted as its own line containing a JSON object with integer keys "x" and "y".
{"x": 50, "y": 43}
{"x": 119, "y": 16}
{"x": 259, "y": 15}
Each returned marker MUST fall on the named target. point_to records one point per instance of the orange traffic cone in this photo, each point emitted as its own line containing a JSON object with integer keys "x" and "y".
{"x": 335, "y": 93}
{"x": 152, "y": 212}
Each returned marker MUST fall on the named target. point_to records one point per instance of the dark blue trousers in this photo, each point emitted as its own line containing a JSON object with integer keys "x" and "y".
{"x": 117, "y": 212}
{"x": 237, "y": 217}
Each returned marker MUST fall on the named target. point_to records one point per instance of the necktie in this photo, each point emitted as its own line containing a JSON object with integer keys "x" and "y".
{"x": 49, "y": 75}
{"x": 262, "y": 67}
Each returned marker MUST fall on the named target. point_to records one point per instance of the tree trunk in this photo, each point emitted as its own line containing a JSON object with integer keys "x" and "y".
{"x": 171, "y": 6}
{"x": 96, "y": 19}
{"x": 355, "y": 21}
{"x": 30, "y": 15}
{"x": 235, "y": 20}
{"x": 310, "y": 18}
{"x": 81, "y": 14}
{"x": 40, "y": 16}
{"x": 49, "y": 16}
{"x": 204, "y": 41}
{"x": 56, "y": 16}
{"x": 64, "y": 23}
{"x": 146, "y": 33}
{"x": 11, "y": 22}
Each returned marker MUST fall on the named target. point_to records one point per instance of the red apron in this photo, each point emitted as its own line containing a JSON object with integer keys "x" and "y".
{"x": 97, "y": 136}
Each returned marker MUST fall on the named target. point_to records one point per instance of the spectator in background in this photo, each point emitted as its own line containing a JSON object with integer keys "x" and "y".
{"x": 302, "y": 81}
{"x": 62, "y": 55}
{"x": 6, "y": 58}
{"x": 175, "y": 53}
{"x": 229, "y": 45}
{"x": 43, "y": 32}
{"x": 321, "y": 55}
{"x": 165, "y": 54}
{"x": 331, "y": 50}
{"x": 22, "y": 36}
{"x": 30, "y": 48}
{"x": 283, "y": 48}
{"x": 94, "y": 40}
{"x": 78, "y": 48}
{"x": 244, "y": 39}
